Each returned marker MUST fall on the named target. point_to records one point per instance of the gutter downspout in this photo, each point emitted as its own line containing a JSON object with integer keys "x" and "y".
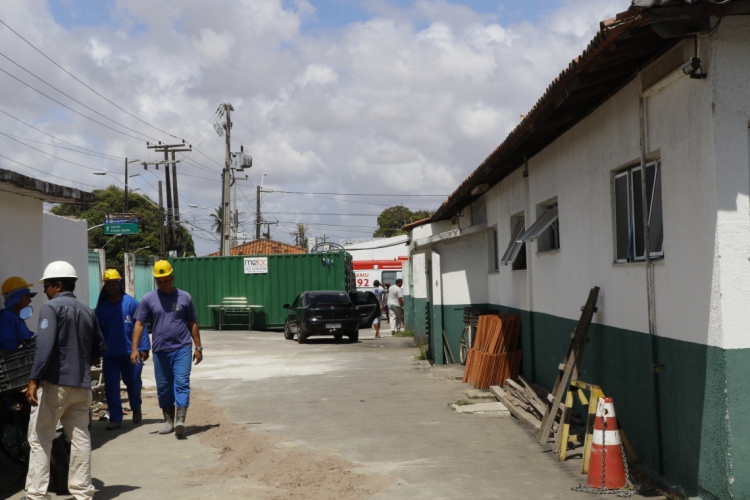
{"x": 656, "y": 446}
{"x": 529, "y": 280}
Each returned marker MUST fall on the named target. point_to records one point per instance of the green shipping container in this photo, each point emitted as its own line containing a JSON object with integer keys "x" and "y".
{"x": 210, "y": 279}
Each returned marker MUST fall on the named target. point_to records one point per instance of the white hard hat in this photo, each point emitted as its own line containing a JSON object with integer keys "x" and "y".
{"x": 59, "y": 269}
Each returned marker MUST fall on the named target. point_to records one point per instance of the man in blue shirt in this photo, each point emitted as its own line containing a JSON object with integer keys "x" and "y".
{"x": 13, "y": 329}
{"x": 175, "y": 330}
{"x": 115, "y": 312}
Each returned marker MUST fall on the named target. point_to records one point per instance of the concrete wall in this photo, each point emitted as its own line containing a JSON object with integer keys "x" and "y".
{"x": 67, "y": 239}
{"x": 699, "y": 131}
{"x": 21, "y": 242}
{"x": 381, "y": 249}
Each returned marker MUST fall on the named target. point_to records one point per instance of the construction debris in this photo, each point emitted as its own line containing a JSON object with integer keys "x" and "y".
{"x": 483, "y": 409}
{"x": 494, "y": 357}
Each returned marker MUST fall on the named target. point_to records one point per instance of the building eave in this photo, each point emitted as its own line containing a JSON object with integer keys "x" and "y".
{"x": 23, "y": 185}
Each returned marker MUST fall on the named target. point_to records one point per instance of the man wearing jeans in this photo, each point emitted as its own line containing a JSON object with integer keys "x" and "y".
{"x": 114, "y": 311}
{"x": 174, "y": 331}
{"x": 68, "y": 343}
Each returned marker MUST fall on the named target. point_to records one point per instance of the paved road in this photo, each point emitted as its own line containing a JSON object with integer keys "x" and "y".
{"x": 369, "y": 403}
{"x": 373, "y": 404}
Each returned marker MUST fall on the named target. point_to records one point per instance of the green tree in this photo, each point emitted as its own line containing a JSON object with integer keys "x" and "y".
{"x": 112, "y": 200}
{"x": 391, "y": 220}
{"x": 302, "y": 235}
{"x": 217, "y": 217}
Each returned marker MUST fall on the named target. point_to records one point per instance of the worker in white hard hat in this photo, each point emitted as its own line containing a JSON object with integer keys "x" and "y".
{"x": 69, "y": 342}
{"x": 17, "y": 297}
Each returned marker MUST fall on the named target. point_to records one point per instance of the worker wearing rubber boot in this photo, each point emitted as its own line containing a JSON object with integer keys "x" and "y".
{"x": 175, "y": 330}
{"x": 17, "y": 297}
{"x": 115, "y": 311}
{"x": 68, "y": 343}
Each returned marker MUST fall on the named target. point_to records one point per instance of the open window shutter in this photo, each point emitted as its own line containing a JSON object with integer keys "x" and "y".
{"x": 515, "y": 245}
{"x": 538, "y": 227}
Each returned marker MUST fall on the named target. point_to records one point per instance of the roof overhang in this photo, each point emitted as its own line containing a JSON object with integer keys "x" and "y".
{"x": 623, "y": 46}
{"x": 23, "y": 185}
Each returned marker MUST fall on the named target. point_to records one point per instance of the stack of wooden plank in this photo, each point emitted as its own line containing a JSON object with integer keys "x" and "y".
{"x": 494, "y": 357}
{"x": 527, "y": 402}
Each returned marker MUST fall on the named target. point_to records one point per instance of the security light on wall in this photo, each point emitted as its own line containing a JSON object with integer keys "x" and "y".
{"x": 693, "y": 68}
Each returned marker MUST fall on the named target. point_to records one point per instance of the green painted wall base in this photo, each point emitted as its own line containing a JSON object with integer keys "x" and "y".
{"x": 702, "y": 418}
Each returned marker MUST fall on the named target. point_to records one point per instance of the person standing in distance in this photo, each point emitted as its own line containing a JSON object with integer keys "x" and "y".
{"x": 175, "y": 330}
{"x": 115, "y": 312}
{"x": 378, "y": 292}
{"x": 68, "y": 343}
{"x": 395, "y": 306}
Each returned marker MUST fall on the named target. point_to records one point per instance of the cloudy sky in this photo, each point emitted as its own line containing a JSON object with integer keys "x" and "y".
{"x": 392, "y": 98}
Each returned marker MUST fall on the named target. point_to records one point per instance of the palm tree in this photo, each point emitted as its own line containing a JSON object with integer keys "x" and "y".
{"x": 301, "y": 235}
{"x": 218, "y": 218}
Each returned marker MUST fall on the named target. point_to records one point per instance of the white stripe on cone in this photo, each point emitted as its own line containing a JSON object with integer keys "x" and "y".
{"x": 613, "y": 438}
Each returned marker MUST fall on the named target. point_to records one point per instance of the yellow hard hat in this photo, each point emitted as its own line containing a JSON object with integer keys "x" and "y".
{"x": 162, "y": 268}
{"x": 111, "y": 275}
{"x": 14, "y": 283}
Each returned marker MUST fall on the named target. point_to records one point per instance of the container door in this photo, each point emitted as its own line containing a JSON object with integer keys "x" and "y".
{"x": 94, "y": 278}
{"x": 144, "y": 278}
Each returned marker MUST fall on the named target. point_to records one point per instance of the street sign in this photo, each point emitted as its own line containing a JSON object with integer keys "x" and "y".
{"x": 121, "y": 224}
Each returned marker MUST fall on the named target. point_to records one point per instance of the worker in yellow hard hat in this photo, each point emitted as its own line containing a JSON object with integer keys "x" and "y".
{"x": 13, "y": 330}
{"x": 115, "y": 312}
{"x": 175, "y": 329}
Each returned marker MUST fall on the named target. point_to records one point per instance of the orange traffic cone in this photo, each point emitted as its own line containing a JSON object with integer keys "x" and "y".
{"x": 607, "y": 466}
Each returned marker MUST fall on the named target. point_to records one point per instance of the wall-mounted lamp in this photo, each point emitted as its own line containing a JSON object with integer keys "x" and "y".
{"x": 693, "y": 68}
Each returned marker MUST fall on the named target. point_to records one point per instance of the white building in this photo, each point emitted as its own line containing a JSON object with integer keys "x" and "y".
{"x": 567, "y": 184}
{"x": 380, "y": 248}
{"x": 30, "y": 239}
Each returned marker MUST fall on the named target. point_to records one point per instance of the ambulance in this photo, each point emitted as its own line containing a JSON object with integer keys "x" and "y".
{"x": 366, "y": 272}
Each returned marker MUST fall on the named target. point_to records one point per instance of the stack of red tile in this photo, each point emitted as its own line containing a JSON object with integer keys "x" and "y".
{"x": 494, "y": 357}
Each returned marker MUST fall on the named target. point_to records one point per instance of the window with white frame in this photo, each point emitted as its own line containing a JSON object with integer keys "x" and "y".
{"x": 492, "y": 250}
{"x": 628, "y": 216}
{"x": 515, "y": 254}
{"x": 546, "y": 228}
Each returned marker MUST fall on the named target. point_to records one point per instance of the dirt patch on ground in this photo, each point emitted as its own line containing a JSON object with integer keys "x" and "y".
{"x": 266, "y": 465}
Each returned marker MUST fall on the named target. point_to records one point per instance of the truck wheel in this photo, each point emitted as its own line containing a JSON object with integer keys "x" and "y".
{"x": 301, "y": 339}
{"x": 354, "y": 337}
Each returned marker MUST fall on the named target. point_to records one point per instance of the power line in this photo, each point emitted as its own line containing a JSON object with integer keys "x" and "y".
{"x": 48, "y": 174}
{"x": 57, "y": 138}
{"x": 74, "y": 99}
{"x": 71, "y": 109}
{"x": 361, "y": 194}
{"x": 97, "y": 155}
{"x": 85, "y": 85}
{"x": 48, "y": 154}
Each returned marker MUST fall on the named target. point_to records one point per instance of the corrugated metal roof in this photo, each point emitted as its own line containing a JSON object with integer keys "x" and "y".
{"x": 263, "y": 247}
{"x": 623, "y": 45}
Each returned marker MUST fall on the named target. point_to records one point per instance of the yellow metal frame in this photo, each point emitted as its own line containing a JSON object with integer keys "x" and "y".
{"x": 577, "y": 388}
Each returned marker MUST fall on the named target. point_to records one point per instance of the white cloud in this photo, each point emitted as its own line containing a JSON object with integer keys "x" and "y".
{"x": 407, "y": 102}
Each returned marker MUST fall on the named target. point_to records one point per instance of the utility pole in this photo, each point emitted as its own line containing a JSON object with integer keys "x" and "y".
{"x": 172, "y": 199}
{"x": 268, "y": 227}
{"x": 257, "y": 213}
{"x": 225, "y": 193}
{"x": 127, "y": 237}
{"x": 176, "y": 207}
{"x": 161, "y": 224}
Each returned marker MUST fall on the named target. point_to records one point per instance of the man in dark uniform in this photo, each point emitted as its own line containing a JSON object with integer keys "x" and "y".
{"x": 68, "y": 343}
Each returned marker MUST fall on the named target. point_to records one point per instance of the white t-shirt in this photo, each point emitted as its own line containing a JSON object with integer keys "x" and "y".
{"x": 394, "y": 293}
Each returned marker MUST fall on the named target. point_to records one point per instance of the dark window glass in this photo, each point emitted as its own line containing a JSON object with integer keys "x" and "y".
{"x": 637, "y": 214}
{"x": 328, "y": 298}
{"x": 622, "y": 217}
